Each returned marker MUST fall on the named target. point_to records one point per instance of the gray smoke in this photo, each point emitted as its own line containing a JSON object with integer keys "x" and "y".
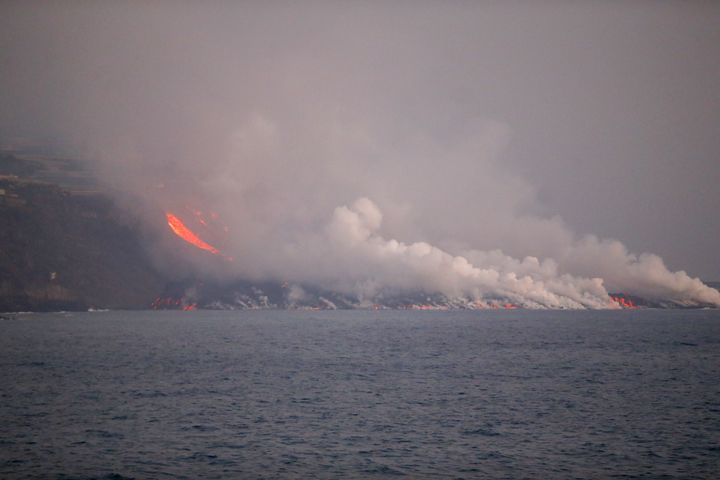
{"x": 369, "y": 148}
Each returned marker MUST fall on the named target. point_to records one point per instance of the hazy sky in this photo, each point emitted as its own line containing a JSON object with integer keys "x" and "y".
{"x": 473, "y": 125}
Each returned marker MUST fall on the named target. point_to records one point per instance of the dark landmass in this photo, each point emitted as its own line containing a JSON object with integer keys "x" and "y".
{"x": 192, "y": 294}
{"x": 66, "y": 246}
{"x": 68, "y": 250}
{"x": 244, "y": 295}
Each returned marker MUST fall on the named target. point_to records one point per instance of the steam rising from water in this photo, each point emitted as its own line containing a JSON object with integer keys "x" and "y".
{"x": 350, "y": 154}
{"x": 287, "y": 227}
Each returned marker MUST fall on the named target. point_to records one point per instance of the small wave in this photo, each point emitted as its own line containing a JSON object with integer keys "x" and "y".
{"x": 485, "y": 432}
{"x": 109, "y": 476}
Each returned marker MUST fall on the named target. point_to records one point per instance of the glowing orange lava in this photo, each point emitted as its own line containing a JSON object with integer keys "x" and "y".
{"x": 170, "y": 303}
{"x": 182, "y": 231}
{"x": 623, "y": 302}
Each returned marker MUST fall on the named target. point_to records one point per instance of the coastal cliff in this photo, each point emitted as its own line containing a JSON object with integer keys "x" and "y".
{"x": 64, "y": 250}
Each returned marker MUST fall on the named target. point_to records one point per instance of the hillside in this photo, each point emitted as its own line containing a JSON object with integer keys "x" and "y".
{"x": 68, "y": 251}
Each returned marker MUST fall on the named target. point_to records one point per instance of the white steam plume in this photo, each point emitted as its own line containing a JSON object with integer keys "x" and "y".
{"x": 288, "y": 236}
{"x": 351, "y": 256}
{"x": 277, "y": 116}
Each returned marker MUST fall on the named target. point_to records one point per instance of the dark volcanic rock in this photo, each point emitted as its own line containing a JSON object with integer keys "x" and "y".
{"x": 63, "y": 251}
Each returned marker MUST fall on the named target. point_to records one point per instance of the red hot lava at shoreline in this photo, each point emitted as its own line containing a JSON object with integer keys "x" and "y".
{"x": 623, "y": 302}
{"x": 182, "y": 231}
{"x": 170, "y": 303}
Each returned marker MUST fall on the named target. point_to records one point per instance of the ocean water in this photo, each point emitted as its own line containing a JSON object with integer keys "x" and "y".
{"x": 356, "y": 394}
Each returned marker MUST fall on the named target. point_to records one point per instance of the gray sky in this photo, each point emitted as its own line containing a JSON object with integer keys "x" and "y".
{"x": 473, "y": 125}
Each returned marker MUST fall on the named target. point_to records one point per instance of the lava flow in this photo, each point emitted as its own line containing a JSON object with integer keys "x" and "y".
{"x": 171, "y": 303}
{"x": 623, "y": 302}
{"x": 182, "y": 231}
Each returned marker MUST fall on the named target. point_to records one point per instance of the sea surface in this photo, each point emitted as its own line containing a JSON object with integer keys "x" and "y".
{"x": 359, "y": 394}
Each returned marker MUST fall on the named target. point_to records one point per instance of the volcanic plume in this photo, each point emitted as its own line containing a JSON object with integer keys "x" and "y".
{"x": 474, "y": 151}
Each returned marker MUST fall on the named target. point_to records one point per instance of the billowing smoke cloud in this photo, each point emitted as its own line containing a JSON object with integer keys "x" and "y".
{"x": 352, "y": 233}
{"x": 358, "y": 149}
